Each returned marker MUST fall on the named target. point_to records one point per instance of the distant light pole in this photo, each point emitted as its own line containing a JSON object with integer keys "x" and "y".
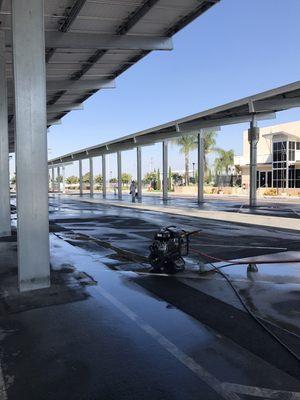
{"x": 194, "y": 170}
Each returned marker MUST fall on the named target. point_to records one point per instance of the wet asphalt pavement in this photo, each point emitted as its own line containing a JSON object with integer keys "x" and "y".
{"x": 143, "y": 336}
{"x": 283, "y": 207}
{"x": 133, "y": 230}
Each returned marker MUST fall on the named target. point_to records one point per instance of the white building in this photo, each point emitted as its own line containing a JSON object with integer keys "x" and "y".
{"x": 278, "y": 157}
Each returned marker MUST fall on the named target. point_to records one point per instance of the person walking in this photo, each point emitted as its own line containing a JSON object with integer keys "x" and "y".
{"x": 133, "y": 191}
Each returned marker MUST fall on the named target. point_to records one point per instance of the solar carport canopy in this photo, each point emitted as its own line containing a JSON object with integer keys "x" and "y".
{"x": 91, "y": 42}
{"x": 263, "y": 105}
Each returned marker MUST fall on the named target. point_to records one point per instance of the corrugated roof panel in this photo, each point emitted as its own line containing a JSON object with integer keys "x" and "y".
{"x": 71, "y": 55}
{"x": 95, "y": 25}
{"x": 101, "y": 69}
{"x": 5, "y": 20}
{"x": 57, "y": 6}
{"x": 159, "y": 19}
{"x": 186, "y": 5}
{"x": 6, "y": 5}
{"x": 110, "y": 9}
{"x": 101, "y": 16}
{"x": 226, "y": 114}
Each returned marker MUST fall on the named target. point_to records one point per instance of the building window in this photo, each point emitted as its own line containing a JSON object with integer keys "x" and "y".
{"x": 279, "y": 178}
{"x": 297, "y": 178}
{"x": 269, "y": 178}
{"x": 292, "y": 146}
{"x": 279, "y": 164}
{"x": 298, "y": 146}
{"x": 292, "y": 176}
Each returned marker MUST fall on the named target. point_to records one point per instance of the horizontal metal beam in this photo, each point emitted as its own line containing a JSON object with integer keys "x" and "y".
{"x": 73, "y": 13}
{"x": 276, "y": 104}
{"x": 59, "y": 164}
{"x": 128, "y": 145}
{"x": 83, "y": 40}
{"x": 159, "y": 137}
{"x": 56, "y": 109}
{"x": 70, "y": 85}
{"x": 196, "y": 125}
{"x": 54, "y": 122}
{"x": 64, "y": 108}
{"x": 79, "y": 40}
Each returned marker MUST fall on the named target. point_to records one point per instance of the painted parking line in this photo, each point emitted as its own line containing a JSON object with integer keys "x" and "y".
{"x": 186, "y": 360}
{"x": 226, "y": 390}
{"x": 295, "y": 212}
{"x": 265, "y": 393}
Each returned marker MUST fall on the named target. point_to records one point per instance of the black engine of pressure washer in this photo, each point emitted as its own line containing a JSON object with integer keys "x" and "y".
{"x": 168, "y": 248}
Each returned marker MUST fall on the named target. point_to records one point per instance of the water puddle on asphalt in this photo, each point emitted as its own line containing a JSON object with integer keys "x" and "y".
{"x": 110, "y": 255}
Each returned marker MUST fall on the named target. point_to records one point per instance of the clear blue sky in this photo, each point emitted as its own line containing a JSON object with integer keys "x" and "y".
{"x": 237, "y": 48}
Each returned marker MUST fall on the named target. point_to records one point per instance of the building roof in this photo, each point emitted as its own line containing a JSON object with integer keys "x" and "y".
{"x": 264, "y": 105}
{"x": 89, "y": 43}
{"x": 280, "y": 134}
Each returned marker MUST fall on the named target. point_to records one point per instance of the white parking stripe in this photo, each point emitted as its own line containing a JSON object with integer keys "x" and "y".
{"x": 261, "y": 392}
{"x": 186, "y": 360}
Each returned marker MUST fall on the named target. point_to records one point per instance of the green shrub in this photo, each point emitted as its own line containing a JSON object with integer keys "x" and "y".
{"x": 270, "y": 192}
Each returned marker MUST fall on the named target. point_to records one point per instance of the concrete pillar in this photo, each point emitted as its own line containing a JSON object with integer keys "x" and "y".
{"x": 104, "y": 176}
{"x": 253, "y": 137}
{"x": 91, "y": 177}
{"x": 80, "y": 178}
{"x": 165, "y": 169}
{"x": 58, "y": 178}
{"x": 52, "y": 179}
{"x": 63, "y": 179}
{"x": 31, "y": 143}
{"x": 201, "y": 167}
{"x": 287, "y": 165}
{"x": 5, "y": 228}
{"x": 139, "y": 172}
{"x": 119, "y": 161}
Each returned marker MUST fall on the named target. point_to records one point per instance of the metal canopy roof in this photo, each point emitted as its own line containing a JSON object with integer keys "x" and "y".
{"x": 263, "y": 105}
{"x": 91, "y": 42}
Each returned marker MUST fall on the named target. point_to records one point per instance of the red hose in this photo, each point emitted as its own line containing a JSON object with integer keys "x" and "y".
{"x": 244, "y": 262}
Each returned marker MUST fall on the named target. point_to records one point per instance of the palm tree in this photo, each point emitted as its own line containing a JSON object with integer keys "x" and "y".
{"x": 224, "y": 161}
{"x": 209, "y": 147}
{"x": 71, "y": 180}
{"x": 188, "y": 143}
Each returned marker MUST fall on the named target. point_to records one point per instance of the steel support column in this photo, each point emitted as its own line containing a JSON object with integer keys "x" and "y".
{"x": 80, "y": 178}
{"x": 165, "y": 169}
{"x": 5, "y": 228}
{"x": 253, "y": 137}
{"x": 287, "y": 165}
{"x": 139, "y": 171}
{"x": 31, "y": 143}
{"x": 201, "y": 167}
{"x": 58, "y": 178}
{"x": 63, "y": 168}
{"x": 119, "y": 161}
{"x": 103, "y": 176}
{"x": 52, "y": 179}
{"x": 91, "y": 177}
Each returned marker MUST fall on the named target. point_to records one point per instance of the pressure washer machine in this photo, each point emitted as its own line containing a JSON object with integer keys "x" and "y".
{"x": 168, "y": 248}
